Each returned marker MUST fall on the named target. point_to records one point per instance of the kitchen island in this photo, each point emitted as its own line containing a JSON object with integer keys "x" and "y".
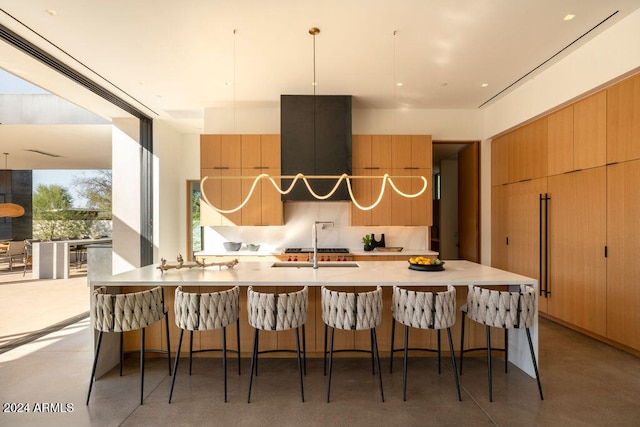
{"x": 366, "y": 274}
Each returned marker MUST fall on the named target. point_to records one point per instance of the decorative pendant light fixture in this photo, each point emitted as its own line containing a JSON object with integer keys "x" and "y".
{"x": 314, "y": 31}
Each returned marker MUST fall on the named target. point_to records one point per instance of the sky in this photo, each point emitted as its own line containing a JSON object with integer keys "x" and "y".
{"x": 63, "y": 178}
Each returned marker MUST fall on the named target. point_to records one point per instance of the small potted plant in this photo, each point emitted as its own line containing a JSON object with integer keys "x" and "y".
{"x": 368, "y": 243}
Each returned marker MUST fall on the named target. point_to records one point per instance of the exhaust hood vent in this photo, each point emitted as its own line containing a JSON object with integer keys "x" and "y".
{"x": 315, "y": 140}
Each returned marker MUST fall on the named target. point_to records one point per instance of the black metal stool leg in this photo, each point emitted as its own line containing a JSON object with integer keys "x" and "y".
{"x": 489, "y": 362}
{"x": 190, "y": 351}
{"x": 393, "y": 334}
{"x": 224, "y": 360}
{"x": 406, "y": 353}
{"x": 142, "y": 366}
{"x": 375, "y": 344}
{"x": 121, "y": 354}
{"x": 166, "y": 322}
{"x": 462, "y": 343}
{"x": 253, "y": 360}
{"x": 238, "y": 341}
{"x": 175, "y": 366}
{"x": 453, "y": 363}
{"x": 506, "y": 350}
{"x": 299, "y": 364}
{"x": 324, "y": 353}
{"x": 95, "y": 364}
{"x": 373, "y": 369}
{"x": 535, "y": 364}
{"x": 330, "y": 365}
{"x": 257, "y": 352}
{"x": 439, "y": 355}
{"x": 304, "y": 348}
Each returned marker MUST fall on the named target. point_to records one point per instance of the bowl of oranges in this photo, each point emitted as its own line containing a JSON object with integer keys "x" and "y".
{"x": 421, "y": 263}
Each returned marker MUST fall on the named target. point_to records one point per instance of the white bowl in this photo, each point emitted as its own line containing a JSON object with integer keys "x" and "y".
{"x": 232, "y": 246}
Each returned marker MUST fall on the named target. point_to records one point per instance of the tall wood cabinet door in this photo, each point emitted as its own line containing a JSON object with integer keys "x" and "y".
{"x": 560, "y": 141}
{"x": 623, "y": 242}
{"x": 577, "y": 266}
{"x": 251, "y": 167}
{"x": 360, "y": 151}
{"x": 270, "y": 151}
{"x": 623, "y": 120}
{"x": 421, "y": 151}
{"x": 590, "y": 131}
{"x": 524, "y": 224}
{"x": 421, "y": 206}
{"x": 230, "y": 151}
{"x": 381, "y": 154}
{"x": 527, "y": 152}
{"x": 401, "y": 206}
{"x": 499, "y": 230}
{"x": 499, "y": 160}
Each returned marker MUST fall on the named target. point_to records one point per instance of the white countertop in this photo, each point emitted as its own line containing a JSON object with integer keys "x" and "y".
{"x": 369, "y": 273}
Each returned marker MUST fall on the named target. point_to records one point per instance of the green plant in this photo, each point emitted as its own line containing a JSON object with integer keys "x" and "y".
{"x": 367, "y": 240}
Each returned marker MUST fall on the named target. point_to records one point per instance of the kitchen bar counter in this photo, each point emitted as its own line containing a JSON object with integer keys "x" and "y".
{"x": 369, "y": 273}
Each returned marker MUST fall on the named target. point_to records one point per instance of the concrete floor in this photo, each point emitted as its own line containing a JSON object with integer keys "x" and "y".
{"x": 585, "y": 383}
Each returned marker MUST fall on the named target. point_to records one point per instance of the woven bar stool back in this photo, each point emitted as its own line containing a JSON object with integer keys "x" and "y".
{"x": 128, "y": 312}
{"x": 502, "y": 309}
{"x": 424, "y": 310}
{"x": 206, "y": 312}
{"x": 352, "y": 311}
{"x": 277, "y": 312}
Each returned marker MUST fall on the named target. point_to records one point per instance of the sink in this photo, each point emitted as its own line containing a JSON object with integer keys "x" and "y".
{"x": 321, "y": 264}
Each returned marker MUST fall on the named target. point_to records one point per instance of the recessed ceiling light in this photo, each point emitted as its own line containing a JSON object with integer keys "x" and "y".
{"x": 314, "y": 83}
{"x": 484, "y": 84}
{"x": 51, "y": 12}
{"x": 228, "y": 83}
{"x": 569, "y": 17}
{"x": 399, "y": 84}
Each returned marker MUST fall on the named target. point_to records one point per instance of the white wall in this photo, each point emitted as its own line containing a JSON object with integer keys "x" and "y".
{"x": 126, "y": 194}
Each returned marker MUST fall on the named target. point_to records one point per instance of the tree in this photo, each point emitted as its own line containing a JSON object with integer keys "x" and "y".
{"x": 52, "y": 210}
{"x": 96, "y": 189}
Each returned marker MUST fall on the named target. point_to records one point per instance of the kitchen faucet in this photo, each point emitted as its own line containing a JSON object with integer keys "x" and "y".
{"x": 314, "y": 238}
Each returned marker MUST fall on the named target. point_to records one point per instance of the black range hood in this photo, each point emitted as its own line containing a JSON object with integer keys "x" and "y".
{"x": 315, "y": 140}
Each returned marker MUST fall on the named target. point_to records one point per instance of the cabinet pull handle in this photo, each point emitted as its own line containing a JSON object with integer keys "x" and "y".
{"x": 411, "y": 168}
{"x": 221, "y": 167}
{"x": 372, "y": 167}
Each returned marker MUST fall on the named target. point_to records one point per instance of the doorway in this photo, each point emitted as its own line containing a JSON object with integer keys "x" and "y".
{"x": 455, "y": 233}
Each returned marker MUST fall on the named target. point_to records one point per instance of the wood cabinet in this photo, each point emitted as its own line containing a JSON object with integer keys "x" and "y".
{"x": 228, "y": 156}
{"x": 527, "y": 152}
{"x": 499, "y": 163}
{"x": 623, "y": 120}
{"x": 397, "y": 155}
{"x": 220, "y": 156}
{"x": 371, "y": 156}
{"x": 516, "y": 225}
{"x": 577, "y": 266}
{"x": 623, "y": 244}
{"x": 590, "y": 132}
{"x": 560, "y": 141}
{"x": 261, "y": 155}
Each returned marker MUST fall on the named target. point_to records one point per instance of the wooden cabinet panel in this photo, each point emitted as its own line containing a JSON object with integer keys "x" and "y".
{"x": 577, "y": 270}
{"x": 381, "y": 152}
{"x": 224, "y": 194}
{"x": 401, "y": 153}
{"x": 527, "y": 152}
{"x": 360, "y": 151}
{"x": 590, "y": 131}
{"x": 261, "y": 155}
{"x": 499, "y": 163}
{"x": 560, "y": 141}
{"x": 623, "y": 242}
{"x": 623, "y": 120}
{"x": 499, "y": 229}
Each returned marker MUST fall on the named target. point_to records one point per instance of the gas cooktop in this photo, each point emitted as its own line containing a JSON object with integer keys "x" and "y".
{"x": 320, "y": 250}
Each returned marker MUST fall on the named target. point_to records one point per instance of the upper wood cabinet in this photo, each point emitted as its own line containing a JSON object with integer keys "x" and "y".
{"x": 499, "y": 163}
{"x": 560, "y": 141}
{"x": 396, "y": 155}
{"x": 527, "y": 152}
{"x": 590, "y": 132}
{"x": 220, "y": 152}
{"x": 261, "y": 155}
{"x": 236, "y": 156}
{"x": 623, "y": 120}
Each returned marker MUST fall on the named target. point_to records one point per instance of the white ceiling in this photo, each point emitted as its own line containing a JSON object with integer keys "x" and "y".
{"x": 173, "y": 59}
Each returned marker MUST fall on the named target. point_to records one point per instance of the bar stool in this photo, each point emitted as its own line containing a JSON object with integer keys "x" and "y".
{"x": 502, "y": 309}
{"x": 128, "y": 312}
{"x": 351, "y": 311}
{"x": 206, "y": 312}
{"x": 277, "y": 312}
{"x": 424, "y": 310}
